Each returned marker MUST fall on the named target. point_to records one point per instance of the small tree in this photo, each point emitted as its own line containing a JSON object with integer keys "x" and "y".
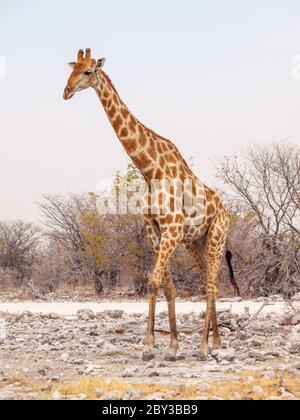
{"x": 18, "y": 247}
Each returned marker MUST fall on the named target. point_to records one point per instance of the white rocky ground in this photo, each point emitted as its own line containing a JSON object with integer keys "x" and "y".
{"x": 61, "y": 342}
{"x": 140, "y": 307}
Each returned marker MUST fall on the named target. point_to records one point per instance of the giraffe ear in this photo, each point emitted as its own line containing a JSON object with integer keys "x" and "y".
{"x": 100, "y": 63}
{"x": 72, "y": 65}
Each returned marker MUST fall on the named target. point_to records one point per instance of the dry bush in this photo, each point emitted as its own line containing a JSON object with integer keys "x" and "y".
{"x": 263, "y": 194}
{"x": 19, "y": 243}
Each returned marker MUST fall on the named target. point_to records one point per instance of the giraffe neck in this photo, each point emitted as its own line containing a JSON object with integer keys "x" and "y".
{"x": 138, "y": 141}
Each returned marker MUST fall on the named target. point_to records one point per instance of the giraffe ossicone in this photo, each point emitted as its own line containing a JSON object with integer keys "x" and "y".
{"x": 202, "y": 226}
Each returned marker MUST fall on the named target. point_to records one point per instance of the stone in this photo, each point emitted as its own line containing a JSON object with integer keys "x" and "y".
{"x": 99, "y": 393}
{"x": 257, "y": 390}
{"x": 110, "y": 350}
{"x": 154, "y": 374}
{"x": 111, "y": 396}
{"x": 90, "y": 369}
{"x": 85, "y": 314}
{"x": 295, "y": 348}
{"x": 53, "y": 316}
{"x": 65, "y": 357}
{"x": 235, "y": 397}
{"x": 114, "y": 314}
{"x": 296, "y": 297}
{"x": 269, "y": 375}
{"x": 224, "y": 354}
{"x": 79, "y": 397}
{"x": 130, "y": 373}
{"x": 295, "y": 320}
{"x": 297, "y": 366}
{"x": 131, "y": 396}
{"x": 288, "y": 396}
{"x": 204, "y": 387}
{"x": 156, "y": 397}
{"x": 57, "y": 396}
{"x": 258, "y": 356}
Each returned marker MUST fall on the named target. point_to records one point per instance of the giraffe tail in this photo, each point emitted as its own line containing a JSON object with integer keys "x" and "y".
{"x": 231, "y": 274}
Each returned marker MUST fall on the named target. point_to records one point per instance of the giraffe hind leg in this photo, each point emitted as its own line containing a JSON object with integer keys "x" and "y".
{"x": 198, "y": 252}
{"x": 216, "y": 241}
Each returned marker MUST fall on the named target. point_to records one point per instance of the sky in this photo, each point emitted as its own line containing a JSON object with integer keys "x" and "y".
{"x": 211, "y": 75}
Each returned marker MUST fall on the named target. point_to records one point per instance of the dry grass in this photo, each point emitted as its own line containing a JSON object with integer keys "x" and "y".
{"x": 224, "y": 390}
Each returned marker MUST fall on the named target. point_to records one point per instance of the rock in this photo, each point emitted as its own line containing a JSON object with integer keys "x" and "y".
{"x": 57, "y": 396}
{"x": 296, "y": 297}
{"x": 78, "y": 362}
{"x": 224, "y": 354}
{"x": 110, "y": 350}
{"x": 156, "y": 397}
{"x": 257, "y": 390}
{"x": 100, "y": 343}
{"x": 256, "y": 343}
{"x": 130, "y": 373}
{"x": 269, "y": 375}
{"x": 272, "y": 353}
{"x": 258, "y": 356}
{"x": 79, "y": 397}
{"x": 53, "y": 316}
{"x": 295, "y": 320}
{"x": 65, "y": 357}
{"x": 111, "y": 396}
{"x": 295, "y": 348}
{"x": 297, "y": 366}
{"x": 235, "y": 397}
{"x": 90, "y": 369}
{"x": 203, "y": 387}
{"x": 250, "y": 380}
{"x": 42, "y": 372}
{"x": 163, "y": 315}
{"x": 99, "y": 393}
{"x": 154, "y": 374}
{"x": 85, "y": 314}
{"x": 151, "y": 365}
{"x": 114, "y": 314}
{"x": 285, "y": 395}
{"x": 131, "y": 396}
{"x": 31, "y": 396}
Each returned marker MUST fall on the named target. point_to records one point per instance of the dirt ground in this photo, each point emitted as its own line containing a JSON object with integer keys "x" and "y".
{"x": 59, "y": 353}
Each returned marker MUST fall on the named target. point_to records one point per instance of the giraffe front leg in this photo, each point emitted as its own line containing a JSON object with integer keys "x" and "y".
{"x": 148, "y": 353}
{"x": 170, "y": 293}
{"x": 171, "y": 237}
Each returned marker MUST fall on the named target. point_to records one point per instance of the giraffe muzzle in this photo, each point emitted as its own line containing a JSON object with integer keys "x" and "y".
{"x": 68, "y": 93}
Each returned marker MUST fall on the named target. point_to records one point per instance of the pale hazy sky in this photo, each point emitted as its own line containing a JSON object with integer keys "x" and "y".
{"x": 212, "y": 75}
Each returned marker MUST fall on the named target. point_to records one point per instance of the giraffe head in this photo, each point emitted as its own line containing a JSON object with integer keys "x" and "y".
{"x": 84, "y": 74}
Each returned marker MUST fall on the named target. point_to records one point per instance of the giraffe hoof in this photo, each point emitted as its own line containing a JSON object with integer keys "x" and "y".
{"x": 170, "y": 358}
{"x": 147, "y": 357}
{"x": 201, "y": 357}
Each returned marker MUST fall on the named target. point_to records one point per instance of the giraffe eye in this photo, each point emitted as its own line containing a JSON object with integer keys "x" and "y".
{"x": 88, "y": 73}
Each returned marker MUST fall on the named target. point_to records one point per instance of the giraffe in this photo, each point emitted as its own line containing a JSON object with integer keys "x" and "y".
{"x": 204, "y": 233}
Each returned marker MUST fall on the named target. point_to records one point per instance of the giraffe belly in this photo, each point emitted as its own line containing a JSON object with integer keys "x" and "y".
{"x": 194, "y": 233}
